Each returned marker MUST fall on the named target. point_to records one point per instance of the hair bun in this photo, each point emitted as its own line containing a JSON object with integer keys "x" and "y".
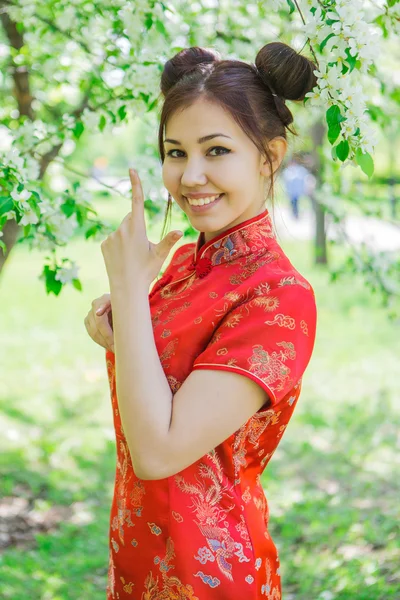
{"x": 183, "y": 63}
{"x": 286, "y": 72}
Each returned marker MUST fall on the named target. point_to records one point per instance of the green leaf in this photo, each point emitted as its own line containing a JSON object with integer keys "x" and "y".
{"x": 78, "y": 129}
{"x": 112, "y": 115}
{"x": 77, "y": 284}
{"x": 6, "y": 204}
{"x": 323, "y": 43}
{"x": 291, "y": 6}
{"x": 148, "y": 21}
{"x": 36, "y": 195}
{"x": 365, "y": 161}
{"x": 352, "y": 60}
{"x": 93, "y": 230}
{"x": 152, "y": 105}
{"x": 53, "y": 285}
{"x": 122, "y": 112}
{"x": 342, "y": 150}
{"x": 333, "y": 115}
{"x": 102, "y": 122}
{"x": 5, "y": 183}
{"x": 3, "y": 247}
{"x": 334, "y": 118}
{"x": 161, "y": 27}
{"x": 333, "y": 133}
{"x": 392, "y": 2}
{"x": 69, "y": 207}
{"x": 381, "y": 22}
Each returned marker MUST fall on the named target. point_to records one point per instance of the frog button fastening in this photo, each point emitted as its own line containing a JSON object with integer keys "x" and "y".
{"x": 202, "y": 267}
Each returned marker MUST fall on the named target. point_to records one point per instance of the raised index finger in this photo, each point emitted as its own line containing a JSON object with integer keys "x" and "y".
{"x": 137, "y": 198}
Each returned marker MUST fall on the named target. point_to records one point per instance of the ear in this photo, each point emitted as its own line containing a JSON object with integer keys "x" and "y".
{"x": 277, "y": 149}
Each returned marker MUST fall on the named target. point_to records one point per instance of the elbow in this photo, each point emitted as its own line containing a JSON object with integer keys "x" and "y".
{"x": 151, "y": 474}
{"x": 152, "y": 470}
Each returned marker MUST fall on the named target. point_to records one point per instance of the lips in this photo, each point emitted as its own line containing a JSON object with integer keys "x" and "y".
{"x": 204, "y": 207}
{"x": 203, "y": 197}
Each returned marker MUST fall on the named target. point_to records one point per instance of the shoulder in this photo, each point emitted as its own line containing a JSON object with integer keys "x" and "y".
{"x": 272, "y": 270}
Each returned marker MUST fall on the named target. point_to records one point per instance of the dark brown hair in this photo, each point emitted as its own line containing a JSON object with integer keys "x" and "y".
{"x": 254, "y": 95}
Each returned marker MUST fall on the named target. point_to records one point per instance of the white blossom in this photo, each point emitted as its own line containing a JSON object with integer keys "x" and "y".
{"x": 29, "y": 217}
{"x": 14, "y": 159}
{"x": 90, "y": 118}
{"x": 67, "y": 19}
{"x": 68, "y": 121}
{"x": 32, "y": 169}
{"x": 67, "y": 274}
{"x": 20, "y": 196}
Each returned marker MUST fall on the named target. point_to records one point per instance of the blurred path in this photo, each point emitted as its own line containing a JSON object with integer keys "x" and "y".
{"x": 376, "y": 233}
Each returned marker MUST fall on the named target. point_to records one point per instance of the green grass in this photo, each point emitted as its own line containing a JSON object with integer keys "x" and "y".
{"x": 332, "y": 485}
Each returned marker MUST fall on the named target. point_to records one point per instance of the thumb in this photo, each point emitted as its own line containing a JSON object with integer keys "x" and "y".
{"x": 170, "y": 240}
{"x": 175, "y": 235}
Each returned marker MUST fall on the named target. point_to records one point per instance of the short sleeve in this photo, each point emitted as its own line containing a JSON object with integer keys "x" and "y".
{"x": 269, "y": 339}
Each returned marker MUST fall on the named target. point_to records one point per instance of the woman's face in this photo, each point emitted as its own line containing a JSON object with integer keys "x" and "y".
{"x": 229, "y": 164}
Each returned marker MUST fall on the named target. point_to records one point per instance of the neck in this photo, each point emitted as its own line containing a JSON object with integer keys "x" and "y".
{"x": 209, "y": 235}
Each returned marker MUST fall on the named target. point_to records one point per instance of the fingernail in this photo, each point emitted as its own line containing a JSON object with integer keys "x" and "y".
{"x": 98, "y": 311}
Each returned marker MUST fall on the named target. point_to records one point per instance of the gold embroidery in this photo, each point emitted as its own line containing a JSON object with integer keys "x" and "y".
{"x": 304, "y": 327}
{"x": 233, "y": 320}
{"x": 282, "y": 321}
{"x": 206, "y": 503}
{"x": 269, "y": 303}
{"x": 169, "y": 351}
{"x": 222, "y": 351}
{"x": 262, "y": 289}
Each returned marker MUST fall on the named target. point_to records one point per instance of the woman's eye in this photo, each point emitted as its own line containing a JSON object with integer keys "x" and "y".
{"x": 226, "y": 151}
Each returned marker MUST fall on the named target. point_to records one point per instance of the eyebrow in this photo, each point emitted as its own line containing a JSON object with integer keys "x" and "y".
{"x": 200, "y": 140}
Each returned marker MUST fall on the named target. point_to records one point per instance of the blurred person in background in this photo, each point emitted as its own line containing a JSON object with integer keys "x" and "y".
{"x": 298, "y": 181}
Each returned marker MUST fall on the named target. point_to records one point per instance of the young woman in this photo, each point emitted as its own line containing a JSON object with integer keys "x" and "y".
{"x": 208, "y": 367}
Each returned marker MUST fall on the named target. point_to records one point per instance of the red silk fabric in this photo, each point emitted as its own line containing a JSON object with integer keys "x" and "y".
{"x": 234, "y": 303}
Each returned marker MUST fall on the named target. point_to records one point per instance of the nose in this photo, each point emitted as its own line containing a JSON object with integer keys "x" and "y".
{"x": 193, "y": 176}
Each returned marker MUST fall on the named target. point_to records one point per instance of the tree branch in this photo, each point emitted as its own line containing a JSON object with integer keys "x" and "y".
{"x": 91, "y": 176}
{"x": 20, "y": 74}
{"x": 308, "y": 39}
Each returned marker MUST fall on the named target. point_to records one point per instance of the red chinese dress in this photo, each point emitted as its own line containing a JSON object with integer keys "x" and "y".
{"x": 235, "y": 303}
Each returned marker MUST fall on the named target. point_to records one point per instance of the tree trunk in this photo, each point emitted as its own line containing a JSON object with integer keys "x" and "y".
{"x": 24, "y": 99}
{"x": 10, "y": 236}
{"x": 317, "y": 135}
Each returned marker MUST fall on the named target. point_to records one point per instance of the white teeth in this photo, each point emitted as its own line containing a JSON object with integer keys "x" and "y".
{"x": 202, "y": 201}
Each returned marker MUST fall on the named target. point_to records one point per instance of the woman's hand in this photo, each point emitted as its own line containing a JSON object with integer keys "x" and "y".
{"x": 98, "y": 322}
{"x": 129, "y": 256}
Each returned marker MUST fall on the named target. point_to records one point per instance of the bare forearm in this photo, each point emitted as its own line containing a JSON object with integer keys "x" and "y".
{"x": 144, "y": 395}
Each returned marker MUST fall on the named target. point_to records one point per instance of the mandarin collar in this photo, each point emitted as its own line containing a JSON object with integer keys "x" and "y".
{"x": 248, "y": 237}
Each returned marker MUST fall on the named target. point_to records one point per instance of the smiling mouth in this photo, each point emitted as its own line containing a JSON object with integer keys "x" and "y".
{"x": 197, "y": 202}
